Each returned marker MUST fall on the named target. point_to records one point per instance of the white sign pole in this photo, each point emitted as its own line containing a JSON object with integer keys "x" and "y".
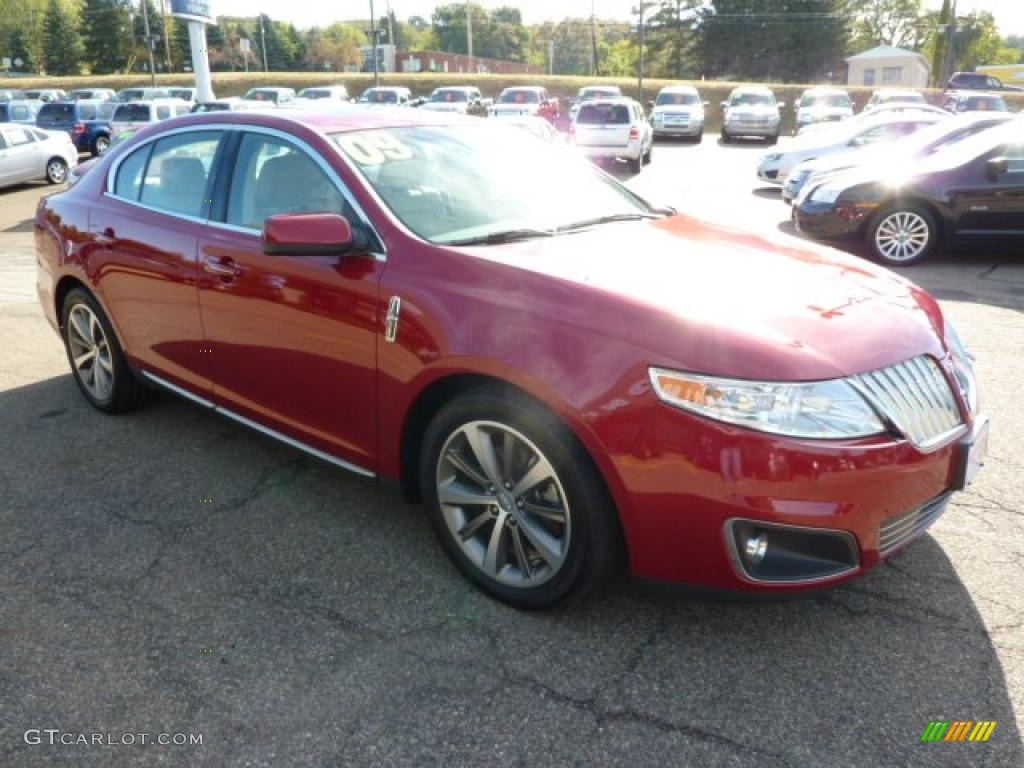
{"x": 200, "y": 61}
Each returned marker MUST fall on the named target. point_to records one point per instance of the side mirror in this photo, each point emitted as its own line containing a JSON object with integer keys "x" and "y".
{"x": 996, "y": 168}
{"x": 307, "y": 234}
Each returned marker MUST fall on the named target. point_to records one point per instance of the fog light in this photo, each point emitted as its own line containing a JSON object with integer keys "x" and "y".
{"x": 756, "y": 548}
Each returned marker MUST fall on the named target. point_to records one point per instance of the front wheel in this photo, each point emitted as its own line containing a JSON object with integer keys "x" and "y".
{"x": 56, "y": 170}
{"x": 100, "y": 146}
{"x": 516, "y": 502}
{"x": 901, "y": 235}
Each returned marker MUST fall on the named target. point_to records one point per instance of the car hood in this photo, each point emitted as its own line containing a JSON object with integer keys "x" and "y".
{"x": 713, "y": 300}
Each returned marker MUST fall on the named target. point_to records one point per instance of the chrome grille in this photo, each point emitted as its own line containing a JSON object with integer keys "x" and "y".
{"x": 916, "y": 397}
{"x": 896, "y": 531}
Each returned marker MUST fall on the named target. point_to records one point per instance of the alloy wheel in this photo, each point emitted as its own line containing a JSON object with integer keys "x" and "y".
{"x": 902, "y": 236}
{"x": 503, "y": 504}
{"x": 102, "y": 145}
{"x": 56, "y": 171}
{"x": 90, "y": 352}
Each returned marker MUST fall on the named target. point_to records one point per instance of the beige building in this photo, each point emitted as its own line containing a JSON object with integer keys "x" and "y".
{"x": 888, "y": 67}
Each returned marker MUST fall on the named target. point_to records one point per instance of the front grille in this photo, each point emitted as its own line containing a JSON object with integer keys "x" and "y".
{"x": 897, "y": 531}
{"x": 915, "y": 396}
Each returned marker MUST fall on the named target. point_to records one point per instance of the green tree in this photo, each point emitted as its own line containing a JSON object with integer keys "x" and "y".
{"x": 888, "y": 22}
{"x": 497, "y": 34}
{"x": 156, "y": 30}
{"x": 107, "y": 33}
{"x": 336, "y": 47}
{"x": 62, "y": 45}
{"x": 21, "y": 49}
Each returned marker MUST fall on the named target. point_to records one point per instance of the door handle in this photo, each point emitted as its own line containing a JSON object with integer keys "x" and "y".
{"x": 103, "y": 235}
{"x": 224, "y": 268}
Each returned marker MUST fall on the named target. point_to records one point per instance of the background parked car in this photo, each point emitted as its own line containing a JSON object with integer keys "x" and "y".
{"x": 751, "y": 110}
{"x": 464, "y": 99}
{"x": 31, "y": 154}
{"x": 328, "y": 92}
{"x": 185, "y": 94}
{"x": 974, "y": 101}
{"x": 614, "y": 129}
{"x": 775, "y": 166}
{"x": 230, "y": 104}
{"x": 395, "y": 96}
{"x": 975, "y": 81}
{"x": 46, "y": 95}
{"x": 918, "y": 145}
{"x": 129, "y": 118}
{"x": 140, "y": 94}
{"x": 86, "y": 122}
{"x": 592, "y": 92}
{"x": 538, "y": 126}
{"x": 822, "y": 105}
{"x": 678, "y": 111}
{"x": 11, "y": 94}
{"x": 889, "y": 108}
{"x": 276, "y": 95}
{"x": 525, "y": 100}
{"x": 18, "y": 112}
{"x": 970, "y": 193}
{"x": 100, "y": 94}
{"x": 890, "y": 95}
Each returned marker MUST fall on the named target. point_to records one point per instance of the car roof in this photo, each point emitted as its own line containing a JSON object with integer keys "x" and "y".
{"x": 678, "y": 89}
{"x": 610, "y": 102}
{"x": 328, "y": 121}
{"x": 752, "y": 89}
{"x": 600, "y": 88}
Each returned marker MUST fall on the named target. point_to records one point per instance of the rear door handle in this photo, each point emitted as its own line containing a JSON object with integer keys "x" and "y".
{"x": 225, "y": 268}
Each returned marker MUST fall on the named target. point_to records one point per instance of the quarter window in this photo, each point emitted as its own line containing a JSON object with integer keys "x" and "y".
{"x": 20, "y": 137}
{"x": 178, "y": 173}
{"x": 128, "y": 181}
{"x": 274, "y": 176}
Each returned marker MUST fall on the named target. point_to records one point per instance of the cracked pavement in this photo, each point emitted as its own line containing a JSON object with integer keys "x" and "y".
{"x": 306, "y": 617}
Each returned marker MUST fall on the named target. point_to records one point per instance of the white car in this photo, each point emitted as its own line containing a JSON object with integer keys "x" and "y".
{"x": 456, "y": 98}
{"x": 751, "y": 110}
{"x": 326, "y": 93}
{"x": 30, "y": 154}
{"x": 133, "y": 115}
{"x": 822, "y": 105}
{"x": 524, "y": 100}
{"x": 591, "y": 92}
{"x": 614, "y": 129}
{"x": 885, "y": 96}
{"x": 384, "y": 96}
{"x": 191, "y": 95}
{"x": 775, "y": 166}
{"x": 678, "y": 111}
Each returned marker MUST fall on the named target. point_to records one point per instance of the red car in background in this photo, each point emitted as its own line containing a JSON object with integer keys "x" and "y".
{"x": 571, "y": 379}
{"x": 525, "y": 100}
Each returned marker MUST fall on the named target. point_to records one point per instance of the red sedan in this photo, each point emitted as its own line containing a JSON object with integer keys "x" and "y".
{"x": 569, "y": 378}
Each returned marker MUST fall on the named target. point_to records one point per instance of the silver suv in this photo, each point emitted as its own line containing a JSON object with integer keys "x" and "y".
{"x": 751, "y": 111}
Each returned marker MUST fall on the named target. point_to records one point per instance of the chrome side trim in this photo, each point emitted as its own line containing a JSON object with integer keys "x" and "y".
{"x": 394, "y": 314}
{"x": 741, "y": 571}
{"x": 178, "y": 390}
{"x": 291, "y": 441}
{"x": 246, "y": 127}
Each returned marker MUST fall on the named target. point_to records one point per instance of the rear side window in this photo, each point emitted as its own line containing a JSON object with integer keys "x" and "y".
{"x": 178, "y": 173}
{"x": 128, "y": 182}
{"x": 20, "y": 112}
{"x": 57, "y": 112}
{"x": 86, "y": 111}
{"x": 20, "y": 136}
{"x": 604, "y": 114}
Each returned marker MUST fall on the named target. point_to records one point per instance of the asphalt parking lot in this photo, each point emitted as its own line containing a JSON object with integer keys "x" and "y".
{"x": 170, "y": 572}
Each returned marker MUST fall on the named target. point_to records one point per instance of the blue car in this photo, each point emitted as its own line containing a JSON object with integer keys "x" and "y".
{"x": 86, "y": 121}
{"x": 17, "y": 112}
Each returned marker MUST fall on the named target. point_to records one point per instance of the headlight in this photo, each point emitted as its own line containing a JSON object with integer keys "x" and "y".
{"x": 826, "y": 193}
{"x": 773, "y": 157}
{"x": 963, "y": 367}
{"x": 822, "y": 409}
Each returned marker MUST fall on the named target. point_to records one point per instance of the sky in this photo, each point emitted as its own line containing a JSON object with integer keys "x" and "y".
{"x": 306, "y": 13}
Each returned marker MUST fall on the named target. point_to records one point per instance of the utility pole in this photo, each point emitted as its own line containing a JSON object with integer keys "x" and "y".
{"x": 469, "y": 33}
{"x": 149, "y": 43}
{"x": 373, "y": 33}
{"x": 551, "y": 56}
{"x": 947, "y": 70}
{"x": 263, "y": 44}
{"x": 593, "y": 41}
{"x": 643, "y": 42}
{"x": 391, "y": 26}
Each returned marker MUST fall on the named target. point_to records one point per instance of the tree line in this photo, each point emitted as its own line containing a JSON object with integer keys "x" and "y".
{"x": 799, "y": 41}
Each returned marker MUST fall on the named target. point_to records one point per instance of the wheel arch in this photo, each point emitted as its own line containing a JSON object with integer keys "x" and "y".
{"x": 910, "y": 200}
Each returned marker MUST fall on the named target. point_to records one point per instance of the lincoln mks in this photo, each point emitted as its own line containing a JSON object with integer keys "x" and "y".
{"x": 572, "y": 380}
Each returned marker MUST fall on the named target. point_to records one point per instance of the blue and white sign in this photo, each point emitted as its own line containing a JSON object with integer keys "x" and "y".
{"x": 193, "y": 10}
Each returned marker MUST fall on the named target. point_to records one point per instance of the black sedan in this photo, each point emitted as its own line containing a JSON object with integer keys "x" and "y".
{"x": 971, "y": 193}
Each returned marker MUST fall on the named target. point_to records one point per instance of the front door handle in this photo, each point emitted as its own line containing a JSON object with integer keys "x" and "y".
{"x": 224, "y": 268}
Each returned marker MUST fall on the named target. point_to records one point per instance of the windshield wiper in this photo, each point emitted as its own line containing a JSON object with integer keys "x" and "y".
{"x": 503, "y": 236}
{"x": 583, "y": 223}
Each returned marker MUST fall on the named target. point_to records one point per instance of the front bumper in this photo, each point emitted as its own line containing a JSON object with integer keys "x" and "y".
{"x": 761, "y": 130}
{"x": 772, "y": 175}
{"x": 823, "y": 221}
{"x": 678, "y": 129}
{"x": 691, "y": 479}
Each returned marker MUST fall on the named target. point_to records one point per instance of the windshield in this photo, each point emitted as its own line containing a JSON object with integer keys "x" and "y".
{"x": 62, "y": 112}
{"x": 752, "y": 100}
{"x": 680, "y": 99}
{"x": 589, "y": 94}
{"x": 985, "y": 104}
{"x": 181, "y": 93}
{"x": 962, "y": 152}
{"x": 132, "y": 113}
{"x": 833, "y": 100}
{"x": 519, "y": 97}
{"x": 454, "y": 183}
{"x": 449, "y": 96}
{"x": 376, "y": 96}
{"x": 314, "y": 93}
{"x": 913, "y": 96}
{"x": 258, "y": 95}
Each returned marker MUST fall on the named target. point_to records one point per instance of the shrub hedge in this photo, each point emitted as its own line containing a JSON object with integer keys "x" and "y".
{"x": 237, "y": 83}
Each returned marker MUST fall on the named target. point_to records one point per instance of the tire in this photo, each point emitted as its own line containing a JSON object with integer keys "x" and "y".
{"x": 636, "y": 165}
{"x": 902, "y": 234}
{"x": 86, "y": 330}
{"x": 580, "y": 540}
{"x": 56, "y": 170}
{"x": 772, "y": 140}
{"x": 698, "y": 138}
{"x": 100, "y": 145}
{"x": 649, "y": 154}
{"x": 726, "y": 138}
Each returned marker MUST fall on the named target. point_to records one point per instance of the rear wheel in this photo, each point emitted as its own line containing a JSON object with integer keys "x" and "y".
{"x": 97, "y": 362}
{"x": 515, "y": 501}
{"x": 100, "y": 145}
{"x": 56, "y": 170}
{"x": 902, "y": 234}
{"x": 648, "y": 156}
{"x": 636, "y": 164}
{"x": 726, "y": 138}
